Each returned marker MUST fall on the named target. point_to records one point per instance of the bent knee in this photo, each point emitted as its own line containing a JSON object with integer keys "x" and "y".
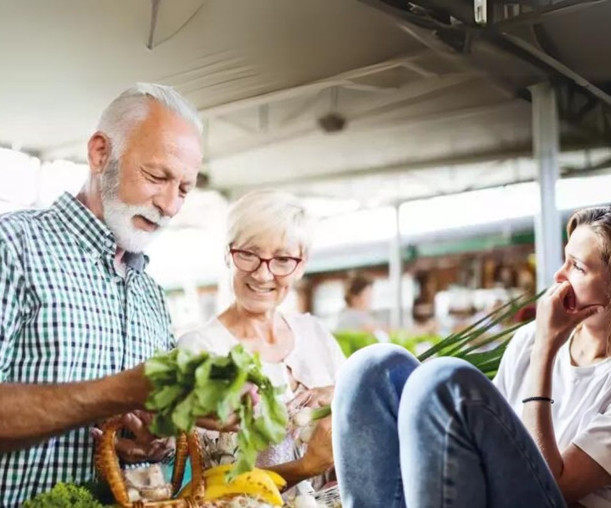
{"x": 451, "y": 375}
{"x": 373, "y": 363}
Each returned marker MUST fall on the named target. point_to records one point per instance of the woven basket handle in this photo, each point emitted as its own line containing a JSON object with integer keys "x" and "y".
{"x": 107, "y": 464}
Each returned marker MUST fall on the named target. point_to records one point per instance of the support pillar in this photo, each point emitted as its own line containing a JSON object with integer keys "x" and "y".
{"x": 548, "y": 227}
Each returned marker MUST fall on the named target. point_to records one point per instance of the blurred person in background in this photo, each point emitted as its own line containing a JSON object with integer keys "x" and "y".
{"x": 357, "y": 315}
{"x": 269, "y": 237}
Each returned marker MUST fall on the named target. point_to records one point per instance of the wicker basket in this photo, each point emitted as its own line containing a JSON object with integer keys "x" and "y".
{"x": 187, "y": 446}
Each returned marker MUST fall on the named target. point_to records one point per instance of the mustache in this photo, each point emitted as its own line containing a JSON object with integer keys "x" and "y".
{"x": 110, "y": 198}
{"x": 150, "y": 213}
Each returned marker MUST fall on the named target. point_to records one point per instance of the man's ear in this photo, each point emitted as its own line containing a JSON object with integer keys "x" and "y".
{"x": 98, "y": 152}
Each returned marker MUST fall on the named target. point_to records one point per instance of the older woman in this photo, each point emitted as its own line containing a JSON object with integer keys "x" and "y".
{"x": 269, "y": 235}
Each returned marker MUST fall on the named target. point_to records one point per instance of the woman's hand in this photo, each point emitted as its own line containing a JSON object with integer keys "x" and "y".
{"x": 557, "y": 316}
{"x": 318, "y": 457}
{"x": 312, "y": 397}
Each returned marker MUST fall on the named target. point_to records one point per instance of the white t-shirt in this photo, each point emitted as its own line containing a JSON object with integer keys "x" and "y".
{"x": 582, "y": 402}
{"x": 314, "y": 361}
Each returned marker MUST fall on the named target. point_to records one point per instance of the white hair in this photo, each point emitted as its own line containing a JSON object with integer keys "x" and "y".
{"x": 270, "y": 212}
{"x": 132, "y": 107}
{"x": 118, "y": 215}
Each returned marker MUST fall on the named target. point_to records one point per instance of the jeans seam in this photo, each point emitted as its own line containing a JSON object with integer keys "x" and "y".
{"x": 521, "y": 450}
{"x": 445, "y": 463}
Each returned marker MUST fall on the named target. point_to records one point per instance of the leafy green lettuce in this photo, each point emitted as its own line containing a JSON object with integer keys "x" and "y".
{"x": 64, "y": 495}
{"x": 187, "y": 386}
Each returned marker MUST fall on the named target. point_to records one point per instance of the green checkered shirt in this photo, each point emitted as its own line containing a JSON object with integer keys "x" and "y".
{"x": 67, "y": 315}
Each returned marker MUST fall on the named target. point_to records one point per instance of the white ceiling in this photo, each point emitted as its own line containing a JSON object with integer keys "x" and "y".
{"x": 262, "y": 73}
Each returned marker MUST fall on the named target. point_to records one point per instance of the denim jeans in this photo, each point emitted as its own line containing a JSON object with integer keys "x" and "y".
{"x": 431, "y": 435}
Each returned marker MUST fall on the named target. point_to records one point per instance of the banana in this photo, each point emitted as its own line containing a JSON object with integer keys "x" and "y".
{"x": 256, "y": 483}
{"x": 276, "y": 478}
{"x": 216, "y": 470}
{"x": 216, "y": 475}
{"x": 260, "y": 483}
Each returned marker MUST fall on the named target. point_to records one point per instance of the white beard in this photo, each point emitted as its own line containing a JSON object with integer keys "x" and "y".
{"x": 118, "y": 215}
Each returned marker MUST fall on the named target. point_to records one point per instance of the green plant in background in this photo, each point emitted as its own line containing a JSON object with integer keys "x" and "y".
{"x": 475, "y": 344}
{"x": 351, "y": 341}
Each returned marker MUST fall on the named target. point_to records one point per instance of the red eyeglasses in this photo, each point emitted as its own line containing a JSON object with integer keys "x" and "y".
{"x": 249, "y": 262}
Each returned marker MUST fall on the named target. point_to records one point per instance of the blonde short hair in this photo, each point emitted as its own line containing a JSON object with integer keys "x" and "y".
{"x": 270, "y": 212}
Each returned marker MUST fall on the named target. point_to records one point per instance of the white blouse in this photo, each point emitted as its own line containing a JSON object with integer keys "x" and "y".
{"x": 314, "y": 363}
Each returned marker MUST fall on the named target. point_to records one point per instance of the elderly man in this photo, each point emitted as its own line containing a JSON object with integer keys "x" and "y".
{"x": 78, "y": 313}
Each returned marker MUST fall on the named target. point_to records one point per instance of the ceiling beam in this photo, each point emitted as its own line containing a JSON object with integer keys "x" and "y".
{"x": 154, "y": 15}
{"x": 385, "y": 109}
{"x": 403, "y": 167}
{"x": 518, "y": 151}
{"x": 539, "y": 14}
{"x": 344, "y": 78}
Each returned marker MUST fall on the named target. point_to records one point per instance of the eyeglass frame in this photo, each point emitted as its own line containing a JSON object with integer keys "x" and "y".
{"x": 267, "y": 261}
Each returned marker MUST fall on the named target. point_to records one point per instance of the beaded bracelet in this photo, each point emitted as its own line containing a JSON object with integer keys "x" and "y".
{"x": 544, "y": 399}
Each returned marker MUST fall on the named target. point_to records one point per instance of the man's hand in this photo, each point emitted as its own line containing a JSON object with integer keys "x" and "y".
{"x": 212, "y": 423}
{"x": 233, "y": 423}
{"x": 144, "y": 446}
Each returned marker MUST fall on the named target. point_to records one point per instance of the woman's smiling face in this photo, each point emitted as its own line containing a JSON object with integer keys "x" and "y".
{"x": 261, "y": 291}
{"x": 585, "y": 271}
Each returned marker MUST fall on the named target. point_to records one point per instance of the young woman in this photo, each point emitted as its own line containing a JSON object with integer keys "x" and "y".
{"x": 440, "y": 434}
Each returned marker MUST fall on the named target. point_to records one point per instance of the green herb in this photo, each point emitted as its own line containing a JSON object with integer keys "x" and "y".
{"x": 187, "y": 386}
{"x": 465, "y": 343}
{"x": 310, "y": 414}
{"x": 64, "y": 495}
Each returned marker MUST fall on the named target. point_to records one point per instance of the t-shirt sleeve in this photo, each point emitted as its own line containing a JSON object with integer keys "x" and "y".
{"x": 595, "y": 440}
{"x": 508, "y": 368}
{"x": 12, "y": 298}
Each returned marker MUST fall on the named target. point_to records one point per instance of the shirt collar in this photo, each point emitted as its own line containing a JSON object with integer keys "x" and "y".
{"x": 91, "y": 233}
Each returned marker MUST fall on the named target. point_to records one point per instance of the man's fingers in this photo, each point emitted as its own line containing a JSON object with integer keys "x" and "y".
{"x": 137, "y": 427}
{"x": 145, "y": 416}
{"x": 96, "y": 434}
{"x": 211, "y": 423}
{"x": 129, "y": 451}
